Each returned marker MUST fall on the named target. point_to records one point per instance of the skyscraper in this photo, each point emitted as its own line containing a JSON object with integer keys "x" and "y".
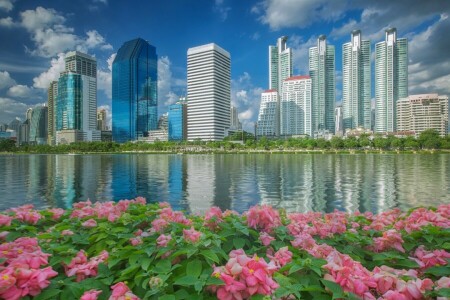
{"x": 280, "y": 64}
{"x": 52, "y": 93}
{"x": 295, "y": 106}
{"x": 356, "y": 87}
{"x": 234, "y": 119}
{"x": 101, "y": 120}
{"x": 391, "y": 79}
{"x": 322, "y": 72}
{"x": 208, "y": 86}
{"x": 134, "y": 91}
{"x": 269, "y": 114}
{"x": 178, "y": 121}
{"x": 38, "y": 126}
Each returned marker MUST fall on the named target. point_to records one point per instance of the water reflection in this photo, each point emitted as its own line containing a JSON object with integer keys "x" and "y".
{"x": 296, "y": 182}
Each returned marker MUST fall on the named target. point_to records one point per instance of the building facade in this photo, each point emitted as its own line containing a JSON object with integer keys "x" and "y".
{"x": 52, "y": 94}
{"x": 134, "y": 91}
{"x": 177, "y": 120}
{"x": 269, "y": 114}
{"x": 38, "y": 126}
{"x": 356, "y": 85}
{"x": 234, "y": 119}
{"x": 418, "y": 113}
{"x": 391, "y": 79}
{"x": 295, "y": 106}
{"x": 339, "y": 124}
{"x": 280, "y": 64}
{"x": 101, "y": 120}
{"x": 208, "y": 91}
{"x": 322, "y": 72}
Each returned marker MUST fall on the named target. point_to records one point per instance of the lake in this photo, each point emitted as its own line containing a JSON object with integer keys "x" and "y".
{"x": 195, "y": 182}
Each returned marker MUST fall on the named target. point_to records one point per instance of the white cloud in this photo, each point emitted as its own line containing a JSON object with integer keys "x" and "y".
{"x": 104, "y": 77}
{"x": 11, "y": 109}
{"x": 40, "y": 18}
{"x": 256, "y": 36}
{"x": 7, "y": 22}
{"x": 44, "y": 79}
{"x": 167, "y": 85}
{"x": 95, "y": 40}
{"x": 6, "y": 80}
{"x": 300, "y": 52}
{"x": 21, "y": 91}
{"x": 220, "y": 8}
{"x": 6, "y": 5}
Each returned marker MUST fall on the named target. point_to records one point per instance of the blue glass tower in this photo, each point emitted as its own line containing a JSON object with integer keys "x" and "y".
{"x": 177, "y": 122}
{"x": 69, "y": 104}
{"x": 134, "y": 91}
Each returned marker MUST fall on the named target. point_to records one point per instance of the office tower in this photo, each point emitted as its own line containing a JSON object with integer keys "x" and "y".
{"x": 418, "y": 113}
{"x": 391, "y": 79}
{"x": 134, "y": 91}
{"x": 52, "y": 93}
{"x": 101, "y": 120}
{"x": 163, "y": 122}
{"x": 356, "y": 87}
{"x": 295, "y": 106}
{"x": 178, "y": 121}
{"x": 339, "y": 124}
{"x": 24, "y": 133}
{"x": 208, "y": 85}
{"x": 322, "y": 72}
{"x": 234, "y": 119}
{"x": 280, "y": 64}
{"x": 269, "y": 113}
{"x": 38, "y": 126}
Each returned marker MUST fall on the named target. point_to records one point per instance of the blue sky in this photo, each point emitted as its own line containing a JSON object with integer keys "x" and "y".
{"x": 34, "y": 35}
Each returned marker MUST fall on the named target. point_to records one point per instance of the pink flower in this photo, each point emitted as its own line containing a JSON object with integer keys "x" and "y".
{"x": 390, "y": 239}
{"x": 89, "y": 223}
{"x": 82, "y": 268}
{"x": 265, "y": 238}
{"x": 67, "y": 232}
{"x": 163, "y": 240}
{"x": 427, "y": 259}
{"x": 3, "y": 234}
{"x": 443, "y": 282}
{"x": 263, "y": 217}
{"x": 136, "y": 241}
{"x": 282, "y": 257}
{"x": 5, "y": 220}
{"x": 120, "y": 291}
{"x": 191, "y": 235}
{"x": 57, "y": 213}
{"x": 91, "y": 295}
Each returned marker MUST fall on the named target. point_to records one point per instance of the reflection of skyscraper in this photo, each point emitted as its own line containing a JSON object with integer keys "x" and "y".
{"x": 391, "y": 79}
{"x": 322, "y": 72}
{"x": 356, "y": 88}
{"x": 208, "y": 86}
{"x": 200, "y": 172}
{"x": 134, "y": 91}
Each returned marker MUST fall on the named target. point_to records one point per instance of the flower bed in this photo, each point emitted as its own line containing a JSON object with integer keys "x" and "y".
{"x": 131, "y": 250}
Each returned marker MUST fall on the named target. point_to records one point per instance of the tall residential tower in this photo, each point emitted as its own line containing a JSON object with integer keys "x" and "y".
{"x": 356, "y": 88}
{"x": 134, "y": 91}
{"x": 391, "y": 79}
{"x": 280, "y": 64}
{"x": 209, "y": 90}
{"x": 322, "y": 72}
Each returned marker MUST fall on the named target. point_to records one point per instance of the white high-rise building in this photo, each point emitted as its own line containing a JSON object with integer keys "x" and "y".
{"x": 322, "y": 72}
{"x": 208, "y": 91}
{"x": 356, "y": 87}
{"x": 280, "y": 64}
{"x": 339, "y": 125}
{"x": 391, "y": 79}
{"x": 268, "y": 118}
{"x": 418, "y": 113}
{"x": 295, "y": 106}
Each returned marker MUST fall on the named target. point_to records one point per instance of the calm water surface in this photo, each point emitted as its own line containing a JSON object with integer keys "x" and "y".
{"x": 296, "y": 182}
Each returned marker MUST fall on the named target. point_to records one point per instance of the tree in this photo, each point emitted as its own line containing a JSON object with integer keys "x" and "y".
{"x": 7, "y": 145}
{"x": 337, "y": 142}
{"x": 430, "y": 139}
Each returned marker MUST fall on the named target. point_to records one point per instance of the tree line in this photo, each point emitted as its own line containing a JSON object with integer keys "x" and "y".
{"x": 427, "y": 140}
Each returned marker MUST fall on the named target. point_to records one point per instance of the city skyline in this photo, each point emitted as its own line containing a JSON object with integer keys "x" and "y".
{"x": 37, "y": 32}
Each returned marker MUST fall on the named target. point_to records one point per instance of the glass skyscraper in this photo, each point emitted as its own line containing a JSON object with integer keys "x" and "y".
{"x": 322, "y": 72}
{"x": 69, "y": 102}
{"x": 38, "y": 126}
{"x": 356, "y": 87}
{"x": 134, "y": 91}
{"x": 391, "y": 79}
{"x": 177, "y": 121}
{"x": 280, "y": 64}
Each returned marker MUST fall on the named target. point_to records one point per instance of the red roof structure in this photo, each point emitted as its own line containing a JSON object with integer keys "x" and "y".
{"x": 298, "y": 77}
{"x": 270, "y": 91}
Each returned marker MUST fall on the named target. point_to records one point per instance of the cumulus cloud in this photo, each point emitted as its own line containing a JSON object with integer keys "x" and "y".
{"x": 168, "y": 86}
{"x": 7, "y": 22}
{"x": 221, "y": 9}
{"x": 246, "y": 98}
{"x": 11, "y": 109}
{"x": 6, "y": 5}
{"x": 300, "y": 52}
{"x": 44, "y": 79}
{"x": 6, "y": 80}
{"x": 104, "y": 77}
{"x": 21, "y": 91}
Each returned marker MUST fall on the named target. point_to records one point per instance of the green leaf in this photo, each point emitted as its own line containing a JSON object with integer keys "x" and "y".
{"x": 335, "y": 288}
{"x": 295, "y": 268}
{"x": 194, "y": 268}
{"x": 445, "y": 292}
{"x": 210, "y": 255}
{"x": 187, "y": 280}
{"x": 163, "y": 266}
{"x": 439, "y": 271}
{"x": 145, "y": 263}
{"x": 168, "y": 297}
{"x": 238, "y": 243}
{"x": 48, "y": 294}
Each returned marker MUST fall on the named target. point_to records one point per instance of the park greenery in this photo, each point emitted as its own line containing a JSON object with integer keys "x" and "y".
{"x": 134, "y": 250}
{"x": 246, "y": 142}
